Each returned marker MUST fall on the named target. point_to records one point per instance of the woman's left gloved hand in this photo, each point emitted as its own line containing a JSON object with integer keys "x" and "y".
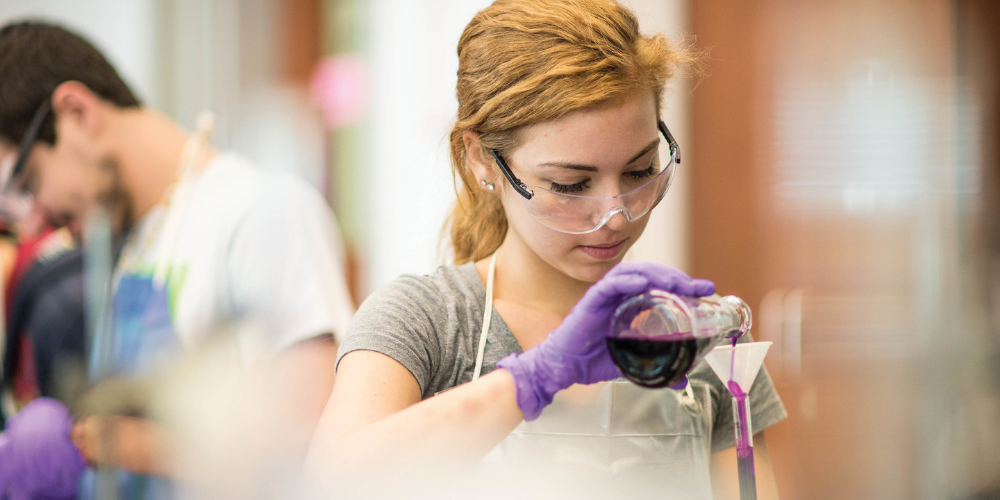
{"x": 576, "y": 352}
{"x": 37, "y": 457}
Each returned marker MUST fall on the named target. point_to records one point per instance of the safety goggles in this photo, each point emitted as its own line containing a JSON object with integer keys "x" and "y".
{"x": 578, "y": 214}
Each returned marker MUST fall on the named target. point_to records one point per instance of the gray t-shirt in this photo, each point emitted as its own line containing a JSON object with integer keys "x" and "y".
{"x": 431, "y": 325}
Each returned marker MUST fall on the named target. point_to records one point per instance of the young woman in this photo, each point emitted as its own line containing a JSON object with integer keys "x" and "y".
{"x": 558, "y": 145}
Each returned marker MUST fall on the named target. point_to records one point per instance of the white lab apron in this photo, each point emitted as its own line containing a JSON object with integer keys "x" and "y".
{"x": 603, "y": 440}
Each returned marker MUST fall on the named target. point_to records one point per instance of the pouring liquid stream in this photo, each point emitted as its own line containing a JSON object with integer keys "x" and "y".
{"x": 744, "y": 440}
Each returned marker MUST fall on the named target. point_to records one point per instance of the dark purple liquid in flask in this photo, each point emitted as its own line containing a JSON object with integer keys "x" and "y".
{"x": 656, "y": 338}
{"x": 658, "y": 362}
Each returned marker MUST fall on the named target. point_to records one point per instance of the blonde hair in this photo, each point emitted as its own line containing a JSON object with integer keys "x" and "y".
{"x": 523, "y": 62}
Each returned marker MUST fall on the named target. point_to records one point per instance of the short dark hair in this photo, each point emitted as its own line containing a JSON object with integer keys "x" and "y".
{"x": 35, "y": 58}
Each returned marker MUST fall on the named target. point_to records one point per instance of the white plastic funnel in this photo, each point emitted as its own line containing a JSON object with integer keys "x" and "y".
{"x": 741, "y": 368}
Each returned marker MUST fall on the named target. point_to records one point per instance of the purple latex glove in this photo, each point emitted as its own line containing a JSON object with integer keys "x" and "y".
{"x": 37, "y": 458}
{"x": 576, "y": 351}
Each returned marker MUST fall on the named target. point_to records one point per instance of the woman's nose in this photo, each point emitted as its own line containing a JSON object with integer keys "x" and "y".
{"x": 615, "y": 220}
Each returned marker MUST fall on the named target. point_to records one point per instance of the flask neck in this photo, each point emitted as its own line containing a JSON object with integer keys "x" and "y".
{"x": 743, "y": 311}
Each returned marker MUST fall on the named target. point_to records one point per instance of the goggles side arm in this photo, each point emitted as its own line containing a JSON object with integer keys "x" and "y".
{"x": 30, "y": 136}
{"x": 675, "y": 149}
{"x": 514, "y": 181}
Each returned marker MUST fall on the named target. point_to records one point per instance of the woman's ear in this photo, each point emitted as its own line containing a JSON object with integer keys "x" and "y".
{"x": 481, "y": 169}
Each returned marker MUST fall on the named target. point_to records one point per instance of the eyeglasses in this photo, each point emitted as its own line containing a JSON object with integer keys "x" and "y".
{"x": 9, "y": 177}
{"x": 15, "y": 199}
{"x": 578, "y": 214}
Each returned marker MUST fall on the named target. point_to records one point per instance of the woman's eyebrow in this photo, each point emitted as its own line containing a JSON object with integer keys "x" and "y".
{"x": 650, "y": 147}
{"x": 590, "y": 168}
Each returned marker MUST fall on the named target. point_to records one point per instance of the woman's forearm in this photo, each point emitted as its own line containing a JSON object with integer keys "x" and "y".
{"x": 441, "y": 434}
{"x": 459, "y": 425}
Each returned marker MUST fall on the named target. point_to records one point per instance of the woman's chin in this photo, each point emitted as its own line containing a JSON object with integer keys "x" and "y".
{"x": 591, "y": 271}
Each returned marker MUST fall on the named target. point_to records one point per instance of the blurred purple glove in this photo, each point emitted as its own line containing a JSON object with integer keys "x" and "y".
{"x": 576, "y": 351}
{"x": 37, "y": 458}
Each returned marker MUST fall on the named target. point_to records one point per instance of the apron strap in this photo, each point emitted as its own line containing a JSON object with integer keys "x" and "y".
{"x": 182, "y": 190}
{"x": 487, "y": 317}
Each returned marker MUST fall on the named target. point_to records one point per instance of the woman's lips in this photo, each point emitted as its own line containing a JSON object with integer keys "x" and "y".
{"x": 603, "y": 252}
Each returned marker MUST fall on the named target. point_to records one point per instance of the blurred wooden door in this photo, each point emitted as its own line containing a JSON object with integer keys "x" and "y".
{"x": 817, "y": 196}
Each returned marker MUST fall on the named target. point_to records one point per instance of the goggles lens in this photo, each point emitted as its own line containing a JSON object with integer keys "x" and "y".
{"x": 584, "y": 214}
{"x": 578, "y": 214}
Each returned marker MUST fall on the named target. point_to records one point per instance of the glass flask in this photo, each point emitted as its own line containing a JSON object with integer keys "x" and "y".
{"x": 657, "y": 337}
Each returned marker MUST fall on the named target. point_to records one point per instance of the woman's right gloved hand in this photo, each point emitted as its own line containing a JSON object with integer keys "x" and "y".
{"x": 576, "y": 351}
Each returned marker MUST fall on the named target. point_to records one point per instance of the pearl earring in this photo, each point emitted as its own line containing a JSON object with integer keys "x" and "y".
{"x": 487, "y": 186}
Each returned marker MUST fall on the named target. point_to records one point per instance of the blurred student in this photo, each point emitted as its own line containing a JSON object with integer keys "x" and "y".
{"x": 209, "y": 241}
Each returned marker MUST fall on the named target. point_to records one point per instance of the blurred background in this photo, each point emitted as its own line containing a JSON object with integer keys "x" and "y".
{"x": 841, "y": 173}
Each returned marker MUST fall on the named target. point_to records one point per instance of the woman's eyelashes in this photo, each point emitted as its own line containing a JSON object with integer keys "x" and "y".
{"x": 642, "y": 174}
{"x": 579, "y": 187}
{"x": 571, "y": 188}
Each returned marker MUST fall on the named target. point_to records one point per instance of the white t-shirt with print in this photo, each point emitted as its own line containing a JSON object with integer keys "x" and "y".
{"x": 255, "y": 248}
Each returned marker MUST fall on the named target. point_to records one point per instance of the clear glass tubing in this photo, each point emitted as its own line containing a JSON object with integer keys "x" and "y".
{"x": 657, "y": 337}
